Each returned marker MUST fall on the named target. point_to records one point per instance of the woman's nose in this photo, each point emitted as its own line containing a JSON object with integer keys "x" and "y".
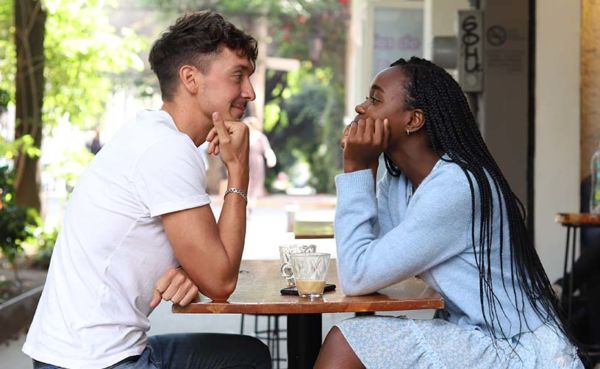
{"x": 360, "y": 109}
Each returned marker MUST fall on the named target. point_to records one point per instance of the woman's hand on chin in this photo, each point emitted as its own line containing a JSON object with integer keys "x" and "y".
{"x": 363, "y": 141}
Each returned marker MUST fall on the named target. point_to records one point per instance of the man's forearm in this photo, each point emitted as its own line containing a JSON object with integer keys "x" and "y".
{"x": 232, "y": 221}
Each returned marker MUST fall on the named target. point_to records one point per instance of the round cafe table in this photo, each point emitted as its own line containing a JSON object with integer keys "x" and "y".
{"x": 573, "y": 222}
{"x": 258, "y": 292}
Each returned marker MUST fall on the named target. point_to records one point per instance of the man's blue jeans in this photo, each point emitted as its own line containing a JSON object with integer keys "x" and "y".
{"x": 196, "y": 351}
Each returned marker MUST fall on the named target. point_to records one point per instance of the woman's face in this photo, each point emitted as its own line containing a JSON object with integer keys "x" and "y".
{"x": 387, "y": 100}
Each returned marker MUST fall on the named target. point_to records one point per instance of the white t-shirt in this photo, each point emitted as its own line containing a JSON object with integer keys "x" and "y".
{"x": 112, "y": 247}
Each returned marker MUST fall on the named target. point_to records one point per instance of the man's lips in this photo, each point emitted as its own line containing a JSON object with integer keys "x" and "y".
{"x": 240, "y": 107}
{"x": 237, "y": 111}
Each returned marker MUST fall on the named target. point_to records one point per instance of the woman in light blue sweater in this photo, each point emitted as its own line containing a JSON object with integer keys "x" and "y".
{"x": 443, "y": 212}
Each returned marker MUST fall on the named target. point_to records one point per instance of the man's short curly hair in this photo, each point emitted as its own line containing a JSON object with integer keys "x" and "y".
{"x": 194, "y": 39}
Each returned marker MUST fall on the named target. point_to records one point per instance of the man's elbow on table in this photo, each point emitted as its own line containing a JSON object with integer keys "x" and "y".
{"x": 219, "y": 291}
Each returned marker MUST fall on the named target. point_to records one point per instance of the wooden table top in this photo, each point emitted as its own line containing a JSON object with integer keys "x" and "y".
{"x": 259, "y": 284}
{"x": 577, "y": 219}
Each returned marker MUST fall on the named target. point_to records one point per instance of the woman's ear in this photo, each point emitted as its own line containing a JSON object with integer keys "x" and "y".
{"x": 416, "y": 122}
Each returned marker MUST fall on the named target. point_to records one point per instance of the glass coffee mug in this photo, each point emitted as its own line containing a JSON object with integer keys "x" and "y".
{"x": 284, "y": 255}
{"x": 310, "y": 270}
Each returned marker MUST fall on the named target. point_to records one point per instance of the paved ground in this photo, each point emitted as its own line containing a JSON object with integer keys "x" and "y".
{"x": 267, "y": 227}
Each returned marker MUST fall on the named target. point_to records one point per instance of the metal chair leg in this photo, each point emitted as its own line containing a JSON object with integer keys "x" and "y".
{"x": 271, "y": 336}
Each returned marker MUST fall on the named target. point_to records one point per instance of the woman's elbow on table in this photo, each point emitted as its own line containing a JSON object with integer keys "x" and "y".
{"x": 350, "y": 289}
{"x": 353, "y": 285}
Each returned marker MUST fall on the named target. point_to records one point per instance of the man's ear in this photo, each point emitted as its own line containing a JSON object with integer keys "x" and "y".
{"x": 189, "y": 77}
{"x": 417, "y": 120}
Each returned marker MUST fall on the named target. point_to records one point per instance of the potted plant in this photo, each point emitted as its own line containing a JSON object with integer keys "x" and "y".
{"x": 17, "y": 223}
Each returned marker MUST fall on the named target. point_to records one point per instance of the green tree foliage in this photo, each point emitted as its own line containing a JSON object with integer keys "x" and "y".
{"x": 17, "y": 223}
{"x": 315, "y": 31}
{"x": 7, "y": 49}
{"x": 230, "y": 7}
{"x": 83, "y": 53}
{"x": 7, "y": 71}
{"x": 7, "y": 52}
{"x": 301, "y": 120}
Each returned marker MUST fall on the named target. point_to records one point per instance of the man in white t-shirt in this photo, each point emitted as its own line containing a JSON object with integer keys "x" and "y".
{"x": 141, "y": 210}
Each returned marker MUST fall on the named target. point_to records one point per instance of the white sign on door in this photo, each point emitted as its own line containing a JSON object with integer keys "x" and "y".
{"x": 398, "y": 33}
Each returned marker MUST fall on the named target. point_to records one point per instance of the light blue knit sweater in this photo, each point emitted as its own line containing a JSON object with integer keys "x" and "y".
{"x": 385, "y": 239}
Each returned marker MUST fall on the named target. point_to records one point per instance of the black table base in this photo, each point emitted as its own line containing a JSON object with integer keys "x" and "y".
{"x": 303, "y": 340}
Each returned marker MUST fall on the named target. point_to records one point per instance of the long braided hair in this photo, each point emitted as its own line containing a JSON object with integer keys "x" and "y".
{"x": 453, "y": 134}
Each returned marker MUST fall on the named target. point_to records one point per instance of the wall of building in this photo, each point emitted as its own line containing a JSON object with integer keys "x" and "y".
{"x": 504, "y": 104}
{"x": 361, "y": 47}
{"x": 590, "y": 82}
{"x": 440, "y": 20}
{"x": 557, "y": 134}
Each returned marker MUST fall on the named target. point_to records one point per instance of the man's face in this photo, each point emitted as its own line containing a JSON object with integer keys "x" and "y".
{"x": 226, "y": 85}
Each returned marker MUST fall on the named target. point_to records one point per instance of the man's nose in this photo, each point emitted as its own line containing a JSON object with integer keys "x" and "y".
{"x": 248, "y": 91}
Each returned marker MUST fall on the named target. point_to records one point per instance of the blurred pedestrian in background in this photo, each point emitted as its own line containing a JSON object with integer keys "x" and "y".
{"x": 260, "y": 151}
{"x": 95, "y": 144}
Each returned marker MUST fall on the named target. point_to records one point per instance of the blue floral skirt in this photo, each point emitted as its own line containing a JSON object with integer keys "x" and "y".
{"x": 383, "y": 342}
